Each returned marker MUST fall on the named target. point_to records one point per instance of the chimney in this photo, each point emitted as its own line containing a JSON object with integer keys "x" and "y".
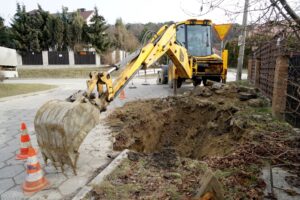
{"x": 81, "y": 9}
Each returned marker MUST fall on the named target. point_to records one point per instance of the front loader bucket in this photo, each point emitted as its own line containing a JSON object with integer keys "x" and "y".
{"x": 61, "y": 127}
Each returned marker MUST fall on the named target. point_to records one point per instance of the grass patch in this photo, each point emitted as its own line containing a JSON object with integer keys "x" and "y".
{"x": 7, "y": 89}
{"x": 59, "y": 72}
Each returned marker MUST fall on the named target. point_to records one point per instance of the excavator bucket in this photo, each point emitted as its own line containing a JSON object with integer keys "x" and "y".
{"x": 61, "y": 127}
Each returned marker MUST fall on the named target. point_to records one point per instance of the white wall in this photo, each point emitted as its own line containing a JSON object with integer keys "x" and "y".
{"x": 8, "y": 57}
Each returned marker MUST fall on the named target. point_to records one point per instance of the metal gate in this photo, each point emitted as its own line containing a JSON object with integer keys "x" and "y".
{"x": 58, "y": 58}
{"x": 292, "y": 114}
{"x": 85, "y": 58}
{"x": 32, "y": 58}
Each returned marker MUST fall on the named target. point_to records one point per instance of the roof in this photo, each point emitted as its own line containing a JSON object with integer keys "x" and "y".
{"x": 86, "y": 14}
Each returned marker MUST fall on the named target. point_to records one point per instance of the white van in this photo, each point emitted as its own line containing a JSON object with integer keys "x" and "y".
{"x": 8, "y": 63}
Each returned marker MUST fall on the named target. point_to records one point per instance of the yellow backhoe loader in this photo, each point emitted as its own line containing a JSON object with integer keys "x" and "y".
{"x": 61, "y": 126}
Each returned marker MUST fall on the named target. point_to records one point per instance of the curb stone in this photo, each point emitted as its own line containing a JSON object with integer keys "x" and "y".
{"x": 85, "y": 191}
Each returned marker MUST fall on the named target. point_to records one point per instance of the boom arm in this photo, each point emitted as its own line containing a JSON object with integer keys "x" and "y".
{"x": 164, "y": 42}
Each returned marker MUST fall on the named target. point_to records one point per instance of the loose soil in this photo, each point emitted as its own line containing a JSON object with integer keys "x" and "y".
{"x": 161, "y": 175}
{"x": 215, "y": 124}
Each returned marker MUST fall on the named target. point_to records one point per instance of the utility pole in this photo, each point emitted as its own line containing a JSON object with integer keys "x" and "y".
{"x": 243, "y": 43}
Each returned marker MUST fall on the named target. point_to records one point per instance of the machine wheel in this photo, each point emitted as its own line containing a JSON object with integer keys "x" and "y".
{"x": 217, "y": 79}
{"x": 170, "y": 83}
{"x": 197, "y": 82}
{"x": 179, "y": 83}
{"x": 204, "y": 81}
{"x": 164, "y": 74}
{"x": 159, "y": 78}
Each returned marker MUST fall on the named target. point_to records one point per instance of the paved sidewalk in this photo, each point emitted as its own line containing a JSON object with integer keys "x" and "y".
{"x": 12, "y": 172}
{"x": 93, "y": 151}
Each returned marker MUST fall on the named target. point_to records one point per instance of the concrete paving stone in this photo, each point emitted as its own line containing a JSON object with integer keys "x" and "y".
{"x": 84, "y": 158}
{"x": 56, "y": 179}
{"x": 84, "y": 170}
{"x": 48, "y": 194}
{"x": 6, "y": 155}
{"x": 50, "y": 169}
{"x": 11, "y": 171}
{"x": 14, "y": 193}
{"x": 14, "y": 161}
{"x": 13, "y": 125}
{"x": 72, "y": 184}
{"x": 20, "y": 178}
{"x": 2, "y": 130}
{"x": 2, "y": 146}
{"x": 11, "y": 148}
{"x": 97, "y": 153}
{"x": 98, "y": 162}
{"x": 2, "y": 164}
{"x": 68, "y": 172}
{"x": 5, "y": 138}
{"x": 14, "y": 142}
{"x": 5, "y": 184}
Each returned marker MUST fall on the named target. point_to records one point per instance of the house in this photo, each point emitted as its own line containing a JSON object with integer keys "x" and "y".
{"x": 87, "y": 15}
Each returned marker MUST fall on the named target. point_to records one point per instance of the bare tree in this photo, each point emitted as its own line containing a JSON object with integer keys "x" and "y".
{"x": 260, "y": 11}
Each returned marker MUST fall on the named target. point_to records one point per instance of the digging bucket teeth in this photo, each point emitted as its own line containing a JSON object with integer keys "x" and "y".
{"x": 61, "y": 127}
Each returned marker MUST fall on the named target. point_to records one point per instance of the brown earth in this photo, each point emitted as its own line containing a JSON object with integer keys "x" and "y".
{"x": 215, "y": 124}
{"x": 196, "y": 126}
{"x": 158, "y": 176}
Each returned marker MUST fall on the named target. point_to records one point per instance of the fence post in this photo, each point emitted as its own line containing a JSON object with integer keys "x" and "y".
{"x": 45, "y": 58}
{"x": 71, "y": 58}
{"x": 257, "y": 72}
{"x": 249, "y": 70}
{"x": 98, "y": 59}
{"x": 280, "y": 87}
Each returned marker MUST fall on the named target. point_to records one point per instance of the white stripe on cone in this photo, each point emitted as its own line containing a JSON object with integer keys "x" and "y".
{"x": 32, "y": 160}
{"x": 34, "y": 176}
{"x": 25, "y": 144}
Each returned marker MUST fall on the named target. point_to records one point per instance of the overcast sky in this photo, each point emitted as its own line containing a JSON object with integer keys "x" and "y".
{"x": 131, "y": 11}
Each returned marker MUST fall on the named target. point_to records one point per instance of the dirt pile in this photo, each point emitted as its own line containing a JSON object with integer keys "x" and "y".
{"x": 196, "y": 124}
{"x": 227, "y": 126}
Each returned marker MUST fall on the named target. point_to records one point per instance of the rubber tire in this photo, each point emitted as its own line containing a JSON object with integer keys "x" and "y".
{"x": 164, "y": 75}
{"x": 204, "y": 81}
{"x": 158, "y": 79}
{"x": 197, "y": 82}
{"x": 179, "y": 83}
{"x": 164, "y": 80}
{"x": 170, "y": 83}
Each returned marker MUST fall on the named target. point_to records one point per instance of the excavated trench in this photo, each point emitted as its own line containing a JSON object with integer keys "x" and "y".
{"x": 197, "y": 124}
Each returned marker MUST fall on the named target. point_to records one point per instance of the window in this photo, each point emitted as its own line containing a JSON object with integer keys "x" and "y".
{"x": 199, "y": 40}
{"x": 180, "y": 35}
{"x": 196, "y": 38}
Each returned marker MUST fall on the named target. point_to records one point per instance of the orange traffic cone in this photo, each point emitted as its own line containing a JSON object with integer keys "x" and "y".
{"x": 25, "y": 143}
{"x": 122, "y": 95}
{"x": 35, "y": 180}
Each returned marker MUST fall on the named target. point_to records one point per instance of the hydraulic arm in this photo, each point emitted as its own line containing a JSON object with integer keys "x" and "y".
{"x": 163, "y": 42}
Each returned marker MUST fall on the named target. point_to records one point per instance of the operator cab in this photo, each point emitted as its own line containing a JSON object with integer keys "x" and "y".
{"x": 195, "y": 36}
